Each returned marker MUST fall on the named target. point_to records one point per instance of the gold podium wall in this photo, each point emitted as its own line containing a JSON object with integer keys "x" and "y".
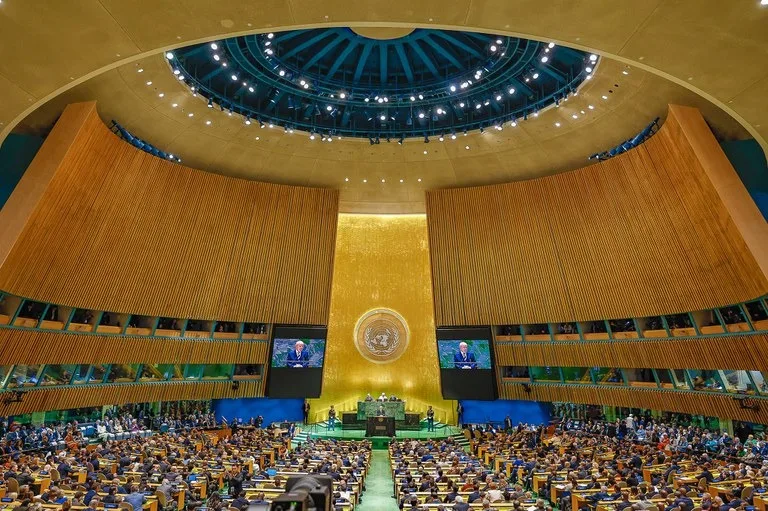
{"x": 382, "y": 261}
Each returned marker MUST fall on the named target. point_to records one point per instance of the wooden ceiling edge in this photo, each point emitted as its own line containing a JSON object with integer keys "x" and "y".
{"x": 571, "y": 44}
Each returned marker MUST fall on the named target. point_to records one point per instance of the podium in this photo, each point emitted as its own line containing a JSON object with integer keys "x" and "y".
{"x": 380, "y": 426}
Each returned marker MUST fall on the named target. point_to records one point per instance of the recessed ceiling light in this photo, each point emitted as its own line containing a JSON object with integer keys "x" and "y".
{"x": 346, "y": 179}
{"x": 270, "y": 35}
{"x": 176, "y": 72}
{"x": 557, "y": 124}
{"x": 466, "y": 147}
{"x": 216, "y": 57}
{"x": 593, "y": 57}
{"x": 149, "y": 82}
{"x": 175, "y": 105}
{"x": 383, "y": 181}
{"x": 208, "y": 123}
{"x": 161, "y": 95}
{"x": 169, "y": 55}
{"x": 425, "y": 152}
{"x": 419, "y": 180}
{"x": 453, "y": 88}
{"x": 535, "y": 75}
{"x": 140, "y": 70}
{"x": 544, "y": 58}
{"x": 365, "y": 180}
{"x": 551, "y": 45}
{"x": 258, "y": 138}
{"x": 589, "y": 69}
{"x": 342, "y": 95}
{"x": 401, "y": 180}
{"x": 513, "y": 124}
{"x": 493, "y": 47}
{"x": 190, "y": 114}
{"x": 591, "y": 107}
{"x": 625, "y": 72}
{"x": 214, "y": 46}
{"x": 605, "y": 97}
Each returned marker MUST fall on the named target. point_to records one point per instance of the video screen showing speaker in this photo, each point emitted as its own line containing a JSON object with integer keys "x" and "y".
{"x": 466, "y": 363}
{"x": 296, "y": 361}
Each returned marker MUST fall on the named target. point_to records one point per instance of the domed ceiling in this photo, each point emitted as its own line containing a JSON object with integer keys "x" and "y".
{"x": 373, "y": 84}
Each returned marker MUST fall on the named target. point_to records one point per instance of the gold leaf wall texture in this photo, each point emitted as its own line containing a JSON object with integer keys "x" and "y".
{"x": 118, "y": 229}
{"x": 381, "y": 262}
{"x": 641, "y": 234}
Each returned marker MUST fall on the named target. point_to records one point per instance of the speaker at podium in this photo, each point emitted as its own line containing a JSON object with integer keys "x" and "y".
{"x": 380, "y": 425}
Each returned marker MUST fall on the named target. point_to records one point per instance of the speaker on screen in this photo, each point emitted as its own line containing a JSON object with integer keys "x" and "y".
{"x": 296, "y": 357}
{"x": 466, "y": 363}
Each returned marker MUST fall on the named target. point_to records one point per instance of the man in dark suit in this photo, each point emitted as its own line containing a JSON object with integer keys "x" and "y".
{"x": 298, "y": 356}
{"x": 459, "y": 504}
{"x": 464, "y": 359}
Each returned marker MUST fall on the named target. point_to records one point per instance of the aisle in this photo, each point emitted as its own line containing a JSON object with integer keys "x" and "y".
{"x": 378, "y": 493}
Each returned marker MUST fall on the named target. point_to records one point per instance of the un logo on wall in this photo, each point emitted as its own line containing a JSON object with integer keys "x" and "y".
{"x": 381, "y": 335}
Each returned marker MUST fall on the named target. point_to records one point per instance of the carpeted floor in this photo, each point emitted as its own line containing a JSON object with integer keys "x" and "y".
{"x": 378, "y": 493}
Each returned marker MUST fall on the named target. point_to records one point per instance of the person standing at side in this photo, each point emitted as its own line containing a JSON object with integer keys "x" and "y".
{"x": 430, "y": 419}
{"x": 332, "y": 419}
{"x": 306, "y": 411}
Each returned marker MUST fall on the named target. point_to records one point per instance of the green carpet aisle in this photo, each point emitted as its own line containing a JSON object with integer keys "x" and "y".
{"x": 378, "y": 493}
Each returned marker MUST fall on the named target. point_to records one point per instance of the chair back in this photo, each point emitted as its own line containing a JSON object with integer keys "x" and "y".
{"x": 13, "y": 484}
{"x": 55, "y": 476}
{"x": 161, "y": 498}
{"x": 127, "y": 506}
{"x": 746, "y": 493}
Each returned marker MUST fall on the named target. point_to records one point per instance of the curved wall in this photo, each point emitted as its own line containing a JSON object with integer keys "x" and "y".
{"x": 118, "y": 229}
{"x": 663, "y": 228}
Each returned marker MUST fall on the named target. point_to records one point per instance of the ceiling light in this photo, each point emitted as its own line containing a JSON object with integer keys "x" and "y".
{"x": 453, "y": 88}
{"x": 306, "y": 86}
{"x": 466, "y": 147}
{"x": 224, "y": 64}
{"x": 487, "y": 102}
{"x": 270, "y": 35}
{"x": 419, "y": 180}
{"x": 551, "y": 45}
{"x": 498, "y": 98}
{"x": 589, "y": 69}
{"x": 461, "y": 105}
{"x": 180, "y": 77}
{"x": 511, "y": 90}
{"x": 214, "y": 46}
{"x": 208, "y": 123}
{"x": 247, "y": 121}
{"x": 421, "y": 96}
{"x": 210, "y": 103}
{"x": 267, "y": 43}
{"x": 544, "y": 58}
{"x": 175, "y": 105}
{"x": 498, "y": 127}
{"x": 413, "y": 98}
{"x": 575, "y": 116}
{"x": 535, "y": 75}
{"x": 593, "y": 57}
{"x": 140, "y": 70}
{"x": 440, "y": 111}
{"x": 365, "y": 180}
{"x": 342, "y": 95}
{"x": 588, "y": 77}
{"x": 386, "y": 99}
{"x": 250, "y": 89}
{"x": 383, "y": 117}
{"x": 591, "y": 107}
{"x": 176, "y": 71}
{"x": 493, "y": 47}
{"x": 557, "y": 124}
{"x": 421, "y": 115}
{"x": 625, "y": 72}
{"x": 763, "y": 2}
{"x": 271, "y": 125}
{"x": 161, "y": 95}
{"x": 453, "y": 136}
{"x": 346, "y": 179}
{"x": 216, "y": 57}
{"x": 366, "y": 100}
{"x": 605, "y": 97}
{"x": 190, "y": 114}
{"x": 478, "y": 106}
{"x": 329, "y": 108}
{"x": 425, "y": 152}
{"x": 258, "y": 138}
{"x": 383, "y": 181}
{"x": 535, "y": 114}
{"x": 312, "y": 136}
{"x": 302, "y": 82}
{"x": 169, "y": 56}
{"x": 234, "y": 78}
{"x": 149, "y": 82}
{"x": 380, "y": 100}
{"x": 513, "y": 123}
{"x": 269, "y": 51}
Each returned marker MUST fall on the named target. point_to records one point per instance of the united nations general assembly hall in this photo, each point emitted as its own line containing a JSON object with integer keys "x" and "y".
{"x": 432, "y": 255}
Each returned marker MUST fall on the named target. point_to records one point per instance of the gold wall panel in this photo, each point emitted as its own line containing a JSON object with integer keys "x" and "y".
{"x": 642, "y": 234}
{"x": 121, "y": 230}
{"x": 382, "y": 262}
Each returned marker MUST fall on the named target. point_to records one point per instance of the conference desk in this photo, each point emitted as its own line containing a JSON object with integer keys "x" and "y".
{"x": 394, "y": 409}
{"x": 380, "y": 426}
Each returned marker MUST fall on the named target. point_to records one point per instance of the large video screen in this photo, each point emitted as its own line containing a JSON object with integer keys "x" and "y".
{"x": 466, "y": 363}
{"x": 298, "y": 353}
{"x": 464, "y": 353}
{"x": 297, "y": 357}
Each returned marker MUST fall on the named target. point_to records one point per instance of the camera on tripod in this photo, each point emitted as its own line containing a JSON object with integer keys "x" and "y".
{"x": 305, "y": 493}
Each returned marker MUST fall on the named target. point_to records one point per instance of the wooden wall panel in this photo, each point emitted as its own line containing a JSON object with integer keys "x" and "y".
{"x": 706, "y": 403}
{"x": 63, "y": 398}
{"x": 641, "y": 234}
{"x": 35, "y": 347}
{"x": 742, "y": 352}
{"x": 120, "y": 230}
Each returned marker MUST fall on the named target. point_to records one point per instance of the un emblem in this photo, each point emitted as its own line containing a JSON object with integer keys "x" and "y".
{"x": 381, "y": 335}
